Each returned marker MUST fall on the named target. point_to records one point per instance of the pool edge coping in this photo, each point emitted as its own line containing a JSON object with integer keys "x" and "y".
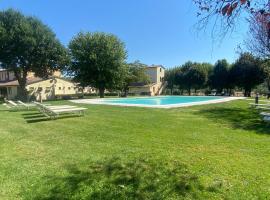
{"x": 102, "y": 102}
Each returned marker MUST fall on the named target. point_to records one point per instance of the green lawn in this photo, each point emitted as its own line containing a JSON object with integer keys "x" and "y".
{"x": 218, "y": 151}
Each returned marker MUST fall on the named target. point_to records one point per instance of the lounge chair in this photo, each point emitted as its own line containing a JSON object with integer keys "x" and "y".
{"x": 12, "y": 105}
{"x": 55, "y": 111}
{"x": 6, "y": 105}
{"x": 254, "y": 105}
{"x": 55, "y": 107}
{"x": 263, "y": 107}
{"x": 26, "y": 105}
{"x": 266, "y": 116}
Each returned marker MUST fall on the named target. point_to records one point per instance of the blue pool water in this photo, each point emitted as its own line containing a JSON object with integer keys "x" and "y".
{"x": 165, "y": 100}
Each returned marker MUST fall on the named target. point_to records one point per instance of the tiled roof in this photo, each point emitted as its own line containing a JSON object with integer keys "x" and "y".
{"x": 155, "y": 66}
{"x": 30, "y": 80}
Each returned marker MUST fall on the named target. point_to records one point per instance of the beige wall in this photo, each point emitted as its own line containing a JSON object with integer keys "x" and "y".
{"x": 50, "y": 88}
{"x": 89, "y": 90}
{"x": 156, "y": 74}
{"x": 12, "y": 92}
{"x": 153, "y": 89}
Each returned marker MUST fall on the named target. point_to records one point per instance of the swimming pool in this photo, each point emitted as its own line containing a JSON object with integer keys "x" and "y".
{"x": 159, "y": 101}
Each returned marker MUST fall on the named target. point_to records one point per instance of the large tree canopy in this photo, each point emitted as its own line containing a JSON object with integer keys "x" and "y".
{"x": 27, "y": 45}
{"x": 247, "y": 72}
{"x": 98, "y": 60}
{"x": 219, "y": 78}
{"x": 226, "y": 15}
{"x": 193, "y": 75}
{"x": 170, "y": 78}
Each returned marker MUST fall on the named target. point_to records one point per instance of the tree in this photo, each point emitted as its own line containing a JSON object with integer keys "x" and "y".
{"x": 200, "y": 73}
{"x": 98, "y": 60}
{"x": 225, "y": 16}
{"x": 27, "y": 45}
{"x": 192, "y": 76}
{"x": 258, "y": 41}
{"x": 266, "y": 68}
{"x": 220, "y": 76}
{"x": 170, "y": 78}
{"x": 247, "y": 72}
{"x": 136, "y": 74}
{"x": 228, "y": 12}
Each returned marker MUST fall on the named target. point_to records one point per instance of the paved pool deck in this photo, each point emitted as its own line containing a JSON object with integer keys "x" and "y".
{"x": 103, "y": 102}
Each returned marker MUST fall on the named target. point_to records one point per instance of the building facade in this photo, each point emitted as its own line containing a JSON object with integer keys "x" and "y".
{"x": 156, "y": 74}
{"x": 38, "y": 88}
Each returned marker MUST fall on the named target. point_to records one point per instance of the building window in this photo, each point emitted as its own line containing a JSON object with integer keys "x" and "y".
{"x": 48, "y": 89}
{"x": 69, "y": 88}
{"x": 31, "y": 89}
{"x": 160, "y": 70}
{"x": 59, "y": 88}
{"x": 39, "y": 89}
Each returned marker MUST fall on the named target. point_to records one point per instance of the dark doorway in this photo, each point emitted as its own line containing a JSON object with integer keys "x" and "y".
{"x": 3, "y": 92}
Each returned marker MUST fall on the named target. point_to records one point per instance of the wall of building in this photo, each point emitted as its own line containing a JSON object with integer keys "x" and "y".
{"x": 156, "y": 74}
{"x": 140, "y": 90}
{"x": 89, "y": 90}
{"x": 152, "y": 89}
{"x": 152, "y": 73}
{"x": 12, "y": 92}
{"x": 50, "y": 88}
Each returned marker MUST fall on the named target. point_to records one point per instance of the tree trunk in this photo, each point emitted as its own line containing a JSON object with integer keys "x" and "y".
{"x": 171, "y": 90}
{"x": 126, "y": 92}
{"x": 101, "y": 92}
{"x": 21, "y": 76}
{"x": 247, "y": 92}
{"x": 189, "y": 91}
{"x": 268, "y": 87}
{"x": 22, "y": 93}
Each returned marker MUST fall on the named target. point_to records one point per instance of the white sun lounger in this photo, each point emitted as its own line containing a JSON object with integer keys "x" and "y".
{"x": 263, "y": 107}
{"x": 267, "y": 101}
{"x": 266, "y": 116}
{"x": 257, "y": 104}
{"x": 60, "y": 107}
{"x": 56, "y": 107}
{"x": 7, "y": 105}
{"x": 55, "y": 111}
{"x": 11, "y": 104}
{"x": 26, "y": 105}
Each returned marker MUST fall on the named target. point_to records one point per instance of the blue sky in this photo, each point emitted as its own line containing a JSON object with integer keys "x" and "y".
{"x": 154, "y": 31}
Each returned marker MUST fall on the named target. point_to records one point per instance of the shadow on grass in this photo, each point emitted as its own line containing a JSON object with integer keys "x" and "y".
{"x": 114, "y": 179}
{"x": 39, "y": 117}
{"x": 33, "y": 116}
{"x": 239, "y": 118}
{"x": 30, "y": 113}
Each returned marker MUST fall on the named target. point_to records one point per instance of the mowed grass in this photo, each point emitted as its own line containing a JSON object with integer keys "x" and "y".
{"x": 218, "y": 151}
